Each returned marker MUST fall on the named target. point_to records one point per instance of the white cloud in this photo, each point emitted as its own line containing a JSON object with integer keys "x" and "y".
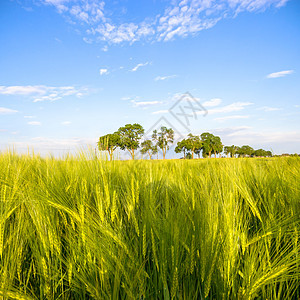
{"x": 164, "y": 111}
{"x": 268, "y": 108}
{"x": 279, "y": 141}
{"x": 43, "y": 92}
{"x": 125, "y": 98}
{"x": 280, "y": 74}
{"x": 164, "y": 77}
{"x": 236, "y": 106}
{"x": 130, "y": 98}
{"x": 212, "y": 102}
{"x": 5, "y": 111}
{"x": 58, "y": 4}
{"x": 88, "y": 40}
{"x": 34, "y": 123}
{"x": 221, "y": 119}
{"x": 145, "y": 103}
{"x": 66, "y": 123}
{"x": 87, "y": 11}
{"x": 267, "y": 136}
{"x": 105, "y": 48}
{"x": 227, "y": 131}
{"x": 29, "y": 117}
{"x": 139, "y": 66}
{"x": 51, "y": 97}
{"x": 103, "y": 71}
{"x": 22, "y": 90}
{"x": 55, "y": 146}
{"x": 178, "y": 19}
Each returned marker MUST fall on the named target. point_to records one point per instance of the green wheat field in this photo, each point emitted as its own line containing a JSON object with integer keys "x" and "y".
{"x": 85, "y": 228}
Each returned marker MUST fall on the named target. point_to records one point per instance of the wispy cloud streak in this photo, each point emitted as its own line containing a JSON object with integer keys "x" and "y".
{"x": 180, "y": 19}
{"x": 280, "y": 74}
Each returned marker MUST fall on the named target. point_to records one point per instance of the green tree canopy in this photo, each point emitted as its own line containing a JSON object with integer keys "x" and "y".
{"x": 217, "y": 145}
{"x": 226, "y": 150}
{"x": 194, "y": 143}
{"x": 149, "y": 148}
{"x": 130, "y": 136}
{"x": 163, "y": 139}
{"x": 245, "y": 150}
{"x": 231, "y": 150}
{"x": 109, "y": 142}
{"x": 182, "y": 146}
{"x": 208, "y": 143}
{"x": 262, "y": 152}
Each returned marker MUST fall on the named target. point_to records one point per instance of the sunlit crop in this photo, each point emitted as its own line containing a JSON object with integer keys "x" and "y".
{"x": 81, "y": 228}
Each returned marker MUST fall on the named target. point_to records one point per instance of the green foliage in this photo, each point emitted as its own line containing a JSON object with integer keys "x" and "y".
{"x": 192, "y": 143}
{"x": 80, "y": 228}
{"x": 163, "y": 139}
{"x": 232, "y": 150}
{"x": 217, "y": 145}
{"x": 109, "y": 142}
{"x": 189, "y": 156}
{"x": 149, "y": 148}
{"x": 245, "y": 151}
{"x": 182, "y": 146}
{"x": 130, "y": 136}
{"x": 262, "y": 153}
{"x": 211, "y": 143}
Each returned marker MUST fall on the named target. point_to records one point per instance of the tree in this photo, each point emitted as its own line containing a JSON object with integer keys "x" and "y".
{"x": 262, "y": 152}
{"x": 130, "y": 136}
{"x": 149, "y": 148}
{"x": 189, "y": 155}
{"x": 231, "y": 150}
{"x": 208, "y": 143}
{"x": 182, "y": 147}
{"x": 109, "y": 142}
{"x": 217, "y": 145}
{"x": 194, "y": 143}
{"x": 198, "y": 151}
{"x": 259, "y": 152}
{"x": 163, "y": 139}
{"x": 269, "y": 154}
{"x": 245, "y": 150}
{"x": 227, "y": 150}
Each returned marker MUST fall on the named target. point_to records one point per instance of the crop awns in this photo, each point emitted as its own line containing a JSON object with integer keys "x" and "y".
{"x": 77, "y": 228}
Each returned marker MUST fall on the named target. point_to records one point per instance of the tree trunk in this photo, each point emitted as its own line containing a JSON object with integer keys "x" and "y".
{"x": 132, "y": 153}
{"x": 209, "y": 154}
{"x": 111, "y": 155}
{"x": 192, "y": 154}
{"x": 184, "y": 153}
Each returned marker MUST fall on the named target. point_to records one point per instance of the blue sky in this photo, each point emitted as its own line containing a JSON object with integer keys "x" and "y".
{"x": 72, "y": 70}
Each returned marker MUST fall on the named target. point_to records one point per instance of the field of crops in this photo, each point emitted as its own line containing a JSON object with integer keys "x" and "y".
{"x": 81, "y": 228}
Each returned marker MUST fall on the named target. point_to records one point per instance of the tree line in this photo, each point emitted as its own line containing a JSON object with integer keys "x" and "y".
{"x": 129, "y": 138}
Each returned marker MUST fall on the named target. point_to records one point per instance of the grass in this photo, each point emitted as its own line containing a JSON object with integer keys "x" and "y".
{"x": 79, "y": 228}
